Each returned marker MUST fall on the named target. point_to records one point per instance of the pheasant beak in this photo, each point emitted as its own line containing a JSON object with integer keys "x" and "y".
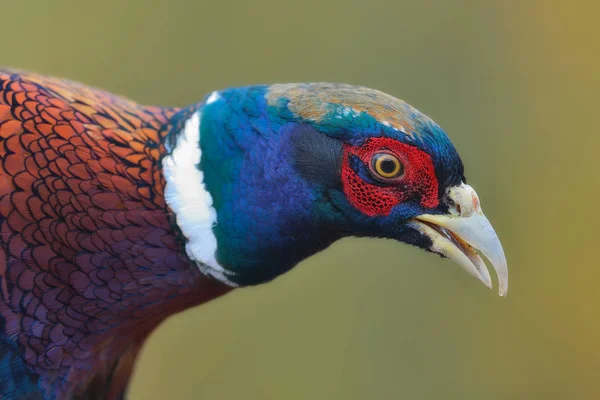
{"x": 462, "y": 234}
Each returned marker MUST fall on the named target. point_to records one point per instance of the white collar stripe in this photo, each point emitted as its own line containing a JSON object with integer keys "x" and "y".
{"x": 186, "y": 195}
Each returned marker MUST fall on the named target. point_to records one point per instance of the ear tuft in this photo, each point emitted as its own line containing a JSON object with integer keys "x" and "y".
{"x": 317, "y": 157}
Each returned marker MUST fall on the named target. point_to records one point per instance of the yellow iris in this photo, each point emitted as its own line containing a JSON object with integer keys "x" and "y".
{"x": 387, "y": 166}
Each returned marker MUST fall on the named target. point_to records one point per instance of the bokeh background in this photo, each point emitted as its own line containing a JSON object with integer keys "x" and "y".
{"x": 514, "y": 83}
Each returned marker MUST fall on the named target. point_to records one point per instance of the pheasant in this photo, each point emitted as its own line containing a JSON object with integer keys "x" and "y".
{"x": 114, "y": 215}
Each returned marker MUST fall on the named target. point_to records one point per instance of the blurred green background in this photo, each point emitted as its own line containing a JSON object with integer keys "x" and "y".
{"x": 515, "y": 85}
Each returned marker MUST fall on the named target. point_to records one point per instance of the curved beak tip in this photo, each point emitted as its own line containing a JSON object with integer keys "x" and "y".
{"x": 503, "y": 280}
{"x": 462, "y": 239}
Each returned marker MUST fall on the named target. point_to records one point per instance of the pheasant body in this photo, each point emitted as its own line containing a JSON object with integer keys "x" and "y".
{"x": 114, "y": 216}
{"x": 85, "y": 232}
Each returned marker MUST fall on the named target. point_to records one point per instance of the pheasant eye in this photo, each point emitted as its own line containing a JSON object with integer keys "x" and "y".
{"x": 387, "y": 166}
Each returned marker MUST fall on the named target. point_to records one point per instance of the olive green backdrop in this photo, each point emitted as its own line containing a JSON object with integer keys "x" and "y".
{"x": 515, "y": 85}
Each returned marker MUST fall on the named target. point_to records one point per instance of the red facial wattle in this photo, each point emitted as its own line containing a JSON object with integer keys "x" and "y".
{"x": 417, "y": 181}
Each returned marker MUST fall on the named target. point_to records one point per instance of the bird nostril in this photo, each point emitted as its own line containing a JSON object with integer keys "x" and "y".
{"x": 458, "y": 209}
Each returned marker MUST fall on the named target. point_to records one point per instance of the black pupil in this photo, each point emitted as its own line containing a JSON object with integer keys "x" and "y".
{"x": 388, "y": 166}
